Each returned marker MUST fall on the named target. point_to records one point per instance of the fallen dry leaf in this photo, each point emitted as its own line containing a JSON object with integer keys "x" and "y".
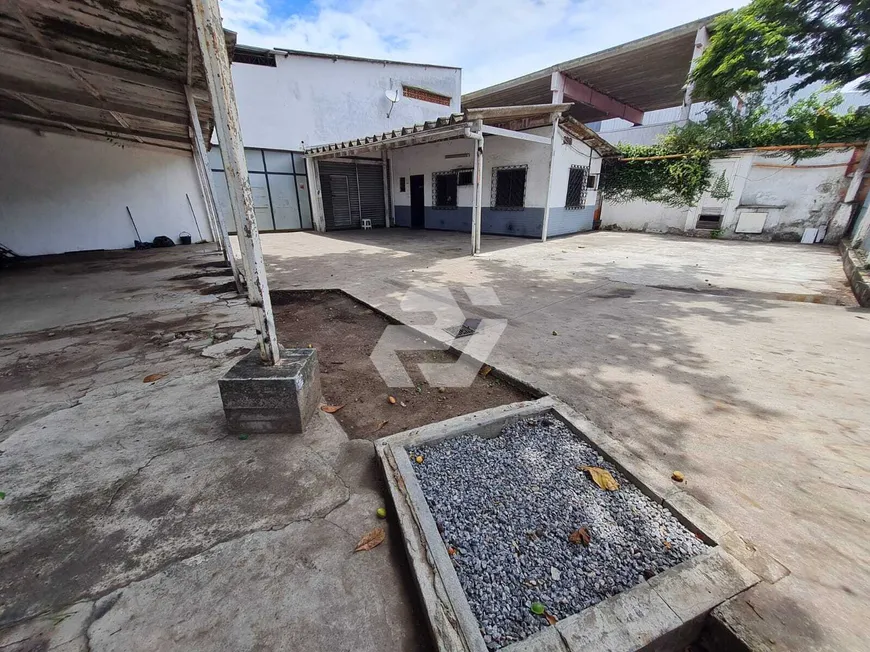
{"x": 601, "y": 477}
{"x": 381, "y": 425}
{"x": 331, "y": 409}
{"x": 153, "y": 378}
{"x": 392, "y": 400}
{"x": 371, "y": 540}
{"x": 667, "y": 545}
{"x": 580, "y": 536}
{"x": 551, "y": 619}
{"x": 451, "y": 551}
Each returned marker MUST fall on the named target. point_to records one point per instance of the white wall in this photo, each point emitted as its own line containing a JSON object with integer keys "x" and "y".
{"x": 321, "y": 100}
{"x": 497, "y": 152}
{"x": 794, "y": 196}
{"x": 62, "y": 193}
{"x": 576, "y": 153}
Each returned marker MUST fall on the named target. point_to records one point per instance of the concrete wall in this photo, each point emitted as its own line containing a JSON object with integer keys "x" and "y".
{"x": 62, "y": 193}
{"x": 564, "y": 220}
{"x": 794, "y": 196}
{"x": 320, "y": 100}
{"x": 498, "y": 152}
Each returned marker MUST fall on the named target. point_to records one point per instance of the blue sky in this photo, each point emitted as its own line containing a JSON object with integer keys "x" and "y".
{"x": 491, "y": 40}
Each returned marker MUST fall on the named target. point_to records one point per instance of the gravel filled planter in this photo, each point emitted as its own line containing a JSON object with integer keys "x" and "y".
{"x": 506, "y": 508}
{"x": 490, "y": 505}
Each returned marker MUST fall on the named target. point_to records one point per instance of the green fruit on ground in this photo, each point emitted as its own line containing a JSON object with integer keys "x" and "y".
{"x": 382, "y": 513}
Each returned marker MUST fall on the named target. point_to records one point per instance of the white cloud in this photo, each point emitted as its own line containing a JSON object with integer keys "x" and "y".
{"x": 491, "y": 40}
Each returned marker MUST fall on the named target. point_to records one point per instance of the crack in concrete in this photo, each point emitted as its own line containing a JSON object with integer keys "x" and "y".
{"x": 132, "y": 477}
{"x": 112, "y": 600}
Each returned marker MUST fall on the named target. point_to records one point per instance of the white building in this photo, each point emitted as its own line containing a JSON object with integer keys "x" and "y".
{"x": 289, "y": 100}
{"x": 528, "y": 171}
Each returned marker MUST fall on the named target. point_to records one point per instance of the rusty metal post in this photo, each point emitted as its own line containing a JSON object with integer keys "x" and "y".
{"x": 210, "y": 34}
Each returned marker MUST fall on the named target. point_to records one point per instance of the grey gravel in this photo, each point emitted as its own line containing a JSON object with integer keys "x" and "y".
{"x": 507, "y": 505}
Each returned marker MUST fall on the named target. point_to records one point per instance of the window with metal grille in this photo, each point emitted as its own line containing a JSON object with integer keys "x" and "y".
{"x": 575, "y": 198}
{"x": 464, "y": 177}
{"x": 509, "y": 187}
{"x": 444, "y": 189}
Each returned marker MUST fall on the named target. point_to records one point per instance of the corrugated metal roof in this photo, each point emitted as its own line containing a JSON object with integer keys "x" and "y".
{"x": 453, "y": 126}
{"x": 647, "y": 74}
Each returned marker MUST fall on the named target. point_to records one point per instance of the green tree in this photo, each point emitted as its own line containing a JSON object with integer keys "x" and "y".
{"x": 771, "y": 40}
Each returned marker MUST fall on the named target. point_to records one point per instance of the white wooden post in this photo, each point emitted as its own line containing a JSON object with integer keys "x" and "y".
{"x": 702, "y": 38}
{"x": 388, "y": 209}
{"x": 210, "y": 35}
{"x": 553, "y": 146}
{"x": 318, "y": 219}
{"x": 477, "y": 139}
{"x": 204, "y": 191}
{"x": 207, "y": 183}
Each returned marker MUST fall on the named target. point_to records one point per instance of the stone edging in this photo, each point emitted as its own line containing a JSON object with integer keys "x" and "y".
{"x": 668, "y": 610}
{"x": 859, "y": 278}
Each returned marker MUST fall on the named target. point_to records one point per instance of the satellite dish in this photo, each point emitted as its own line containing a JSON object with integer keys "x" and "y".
{"x": 393, "y": 95}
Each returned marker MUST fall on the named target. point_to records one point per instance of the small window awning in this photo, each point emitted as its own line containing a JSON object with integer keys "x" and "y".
{"x": 514, "y": 118}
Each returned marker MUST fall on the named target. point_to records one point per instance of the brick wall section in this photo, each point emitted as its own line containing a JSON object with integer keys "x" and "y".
{"x": 427, "y": 96}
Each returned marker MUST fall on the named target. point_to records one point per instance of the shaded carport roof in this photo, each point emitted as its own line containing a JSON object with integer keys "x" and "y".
{"x": 646, "y": 74}
{"x": 112, "y": 69}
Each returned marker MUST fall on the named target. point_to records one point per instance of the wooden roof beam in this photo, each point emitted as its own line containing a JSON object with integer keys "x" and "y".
{"x": 11, "y": 46}
{"x": 35, "y": 91}
{"x": 36, "y": 118}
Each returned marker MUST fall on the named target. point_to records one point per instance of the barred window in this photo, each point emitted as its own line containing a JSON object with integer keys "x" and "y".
{"x": 509, "y": 187}
{"x": 444, "y": 189}
{"x": 576, "y": 196}
{"x": 464, "y": 177}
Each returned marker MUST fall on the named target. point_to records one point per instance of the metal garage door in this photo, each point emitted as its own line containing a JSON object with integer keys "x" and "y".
{"x": 351, "y": 192}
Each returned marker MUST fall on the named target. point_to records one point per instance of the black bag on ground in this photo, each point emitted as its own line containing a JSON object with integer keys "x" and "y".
{"x": 163, "y": 241}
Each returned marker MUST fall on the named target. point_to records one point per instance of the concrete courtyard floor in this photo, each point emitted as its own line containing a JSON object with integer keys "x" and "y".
{"x": 133, "y": 522}
{"x": 703, "y": 356}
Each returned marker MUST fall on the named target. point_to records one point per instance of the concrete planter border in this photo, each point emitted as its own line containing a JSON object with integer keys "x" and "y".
{"x": 666, "y": 612}
{"x": 859, "y": 278}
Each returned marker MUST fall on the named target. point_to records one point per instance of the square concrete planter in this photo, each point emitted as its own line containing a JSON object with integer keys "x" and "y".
{"x": 261, "y": 399}
{"x": 663, "y": 613}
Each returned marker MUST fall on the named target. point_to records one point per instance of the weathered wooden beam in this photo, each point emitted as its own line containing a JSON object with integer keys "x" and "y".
{"x": 110, "y": 130}
{"x": 94, "y": 133}
{"x": 209, "y": 193}
{"x": 519, "y": 135}
{"x": 33, "y": 91}
{"x": 35, "y": 52}
{"x": 210, "y": 35}
{"x": 563, "y": 87}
